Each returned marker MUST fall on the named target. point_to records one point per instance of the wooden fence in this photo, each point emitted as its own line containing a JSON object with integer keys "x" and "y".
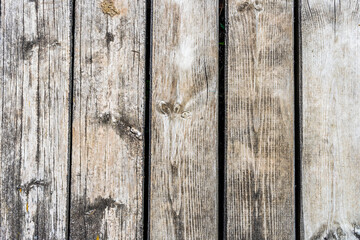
{"x": 180, "y": 119}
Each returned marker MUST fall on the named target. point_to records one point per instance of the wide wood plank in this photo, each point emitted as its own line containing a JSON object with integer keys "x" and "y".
{"x": 330, "y": 119}
{"x": 260, "y": 120}
{"x": 108, "y": 122}
{"x": 183, "y": 202}
{"x": 34, "y": 66}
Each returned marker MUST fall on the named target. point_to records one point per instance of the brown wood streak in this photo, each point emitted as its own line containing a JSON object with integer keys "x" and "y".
{"x": 260, "y": 140}
{"x": 331, "y": 129}
{"x": 107, "y": 169}
{"x": 183, "y": 202}
{"x": 35, "y": 63}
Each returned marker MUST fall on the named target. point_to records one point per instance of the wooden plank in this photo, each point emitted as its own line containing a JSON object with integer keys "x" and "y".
{"x": 330, "y": 119}
{"x": 183, "y": 201}
{"x": 108, "y": 120}
{"x": 260, "y": 119}
{"x": 34, "y": 66}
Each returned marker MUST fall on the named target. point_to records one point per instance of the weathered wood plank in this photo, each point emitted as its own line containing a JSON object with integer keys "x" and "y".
{"x": 330, "y": 119}
{"x": 260, "y": 118}
{"x": 184, "y": 120}
{"x": 34, "y": 66}
{"x": 108, "y": 121}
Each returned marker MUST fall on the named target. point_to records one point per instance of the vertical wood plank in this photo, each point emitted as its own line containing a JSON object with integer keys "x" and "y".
{"x": 260, "y": 119}
{"x": 34, "y": 66}
{"x": 330, "y": 119}
{"x": 184, "y": 120}
{"x": 108, "y": 121}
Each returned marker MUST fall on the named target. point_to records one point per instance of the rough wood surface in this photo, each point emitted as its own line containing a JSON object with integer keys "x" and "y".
{"x": 34, "y": 66}
{"x": 260, "y": 139}
{"x": 184, "y": 120}
{"x": 331, "y": 127}
{"x": 108, "y": 122}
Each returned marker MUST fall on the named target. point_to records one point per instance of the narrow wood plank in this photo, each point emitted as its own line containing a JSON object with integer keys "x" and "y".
{"x": 331, "y": 128}
{"x": 260, "y": 119}
{"x": 184, "y": 120}
{"x": 34, "y": 66}
{"x": 108, "y": 123}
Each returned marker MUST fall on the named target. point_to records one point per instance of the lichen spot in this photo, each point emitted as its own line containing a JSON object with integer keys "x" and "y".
{"x": 186, "y": 54}
{"x": 27, "y": 207}
{"x": 108, "y": 7}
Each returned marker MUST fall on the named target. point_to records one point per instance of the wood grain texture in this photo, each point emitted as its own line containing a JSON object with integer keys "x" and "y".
{"x": 183, "y": 202}
{"x": 330, "y": 119}
{"x": 34, "y": 66}
{"x": 260, "y": 120}
{"x": 108, "y": 124}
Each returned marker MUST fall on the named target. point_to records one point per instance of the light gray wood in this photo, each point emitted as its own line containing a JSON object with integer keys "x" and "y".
{"x": 34, "y": 85}
{"x": 260, "y": 120}
{"x": 108, "y": 120}
{"x": 330, "y": 119}
{"x": 184, "y": 122}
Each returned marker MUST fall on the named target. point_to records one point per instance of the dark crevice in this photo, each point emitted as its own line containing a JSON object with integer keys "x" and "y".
{"x": 70, "y": 111}
{"x": 222, "y": 119}
{"x": 147, "y": 150}
{"x": 297, "y": 116}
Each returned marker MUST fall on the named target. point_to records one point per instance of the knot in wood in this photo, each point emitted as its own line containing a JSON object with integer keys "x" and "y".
{"x": 172, "y": 110}
{"x": 248, "y": 6}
